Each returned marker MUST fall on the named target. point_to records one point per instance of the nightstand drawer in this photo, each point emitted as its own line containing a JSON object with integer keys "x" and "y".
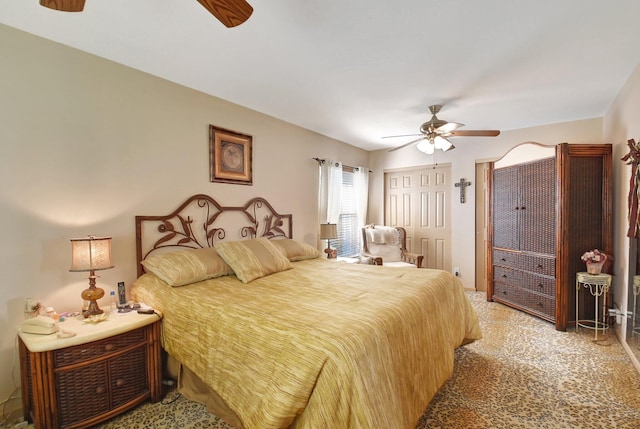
{"x": 85, "y": 352}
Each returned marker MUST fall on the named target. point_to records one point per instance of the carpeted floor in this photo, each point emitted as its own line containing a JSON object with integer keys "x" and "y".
{"x": 522, "y": 374}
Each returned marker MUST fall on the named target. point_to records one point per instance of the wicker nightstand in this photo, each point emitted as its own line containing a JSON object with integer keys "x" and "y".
{"x": 102, "y": 371}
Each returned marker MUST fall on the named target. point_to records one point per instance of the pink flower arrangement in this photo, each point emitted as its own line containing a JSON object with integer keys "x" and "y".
{"x": 594, "y": 256}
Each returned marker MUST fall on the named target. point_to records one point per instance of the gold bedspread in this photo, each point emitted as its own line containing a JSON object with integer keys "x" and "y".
{"x": 337, "y": 345}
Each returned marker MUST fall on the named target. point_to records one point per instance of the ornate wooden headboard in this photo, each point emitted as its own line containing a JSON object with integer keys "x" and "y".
{"x": 201, "y": 222}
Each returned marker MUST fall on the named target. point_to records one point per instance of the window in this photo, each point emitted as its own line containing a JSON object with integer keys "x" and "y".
{"x": 348, "y": 243}
{"x": 342, "y": 200}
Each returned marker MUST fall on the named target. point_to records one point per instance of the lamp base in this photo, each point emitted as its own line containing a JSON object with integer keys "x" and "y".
{"x": 331, "y": 253}
{"x": 92, "y": 294}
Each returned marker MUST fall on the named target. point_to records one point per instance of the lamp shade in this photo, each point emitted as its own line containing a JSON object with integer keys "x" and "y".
{"x": 328, "y": 231}
{"x": 91, "y": 254}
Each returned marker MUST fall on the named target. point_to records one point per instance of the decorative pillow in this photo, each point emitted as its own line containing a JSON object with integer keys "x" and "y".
{"x": 252, "y": 259}
{"x": 187, "y": 266}
{"x": 296, "y": 250}
{"x": 383, "y": 235}
{"x": 387, "y": 252}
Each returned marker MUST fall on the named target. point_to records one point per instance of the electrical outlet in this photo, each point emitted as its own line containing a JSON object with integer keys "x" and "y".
{"x": 456, "y": 271}
{"x": 619, "y": 315}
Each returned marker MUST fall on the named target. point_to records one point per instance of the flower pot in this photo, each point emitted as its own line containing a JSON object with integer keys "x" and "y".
{"x": 595, "y": 267}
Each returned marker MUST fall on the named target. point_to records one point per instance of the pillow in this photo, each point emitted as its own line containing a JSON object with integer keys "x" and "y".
{"x": 188, "y": 266}
{"x": 296, "y": 250}
{"x": 252, "y": 259}
{"x": 383, "y": 235}
{"x": 387, "y": 252}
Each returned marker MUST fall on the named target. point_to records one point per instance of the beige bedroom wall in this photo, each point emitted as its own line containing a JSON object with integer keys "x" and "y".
{"x": 87, "y": 144}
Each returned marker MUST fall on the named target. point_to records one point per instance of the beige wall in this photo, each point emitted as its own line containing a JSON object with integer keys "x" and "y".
{"x": 87, "y": 144}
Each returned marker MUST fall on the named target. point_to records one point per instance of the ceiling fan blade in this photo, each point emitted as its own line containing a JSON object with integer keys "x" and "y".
{"x": 407, "y": 144}
{"x": 229, "y": 12}
{"x": 475, "y": 133}
{"x": 64, "y": 5}
{"x": 401, "y": 135}
{"x": 448, "y": 127}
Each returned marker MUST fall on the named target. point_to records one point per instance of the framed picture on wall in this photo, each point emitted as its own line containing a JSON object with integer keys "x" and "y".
{"x": 230, "y": 156}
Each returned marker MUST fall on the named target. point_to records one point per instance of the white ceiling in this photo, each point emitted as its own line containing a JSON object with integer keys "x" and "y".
{"x": 357, "y": 70}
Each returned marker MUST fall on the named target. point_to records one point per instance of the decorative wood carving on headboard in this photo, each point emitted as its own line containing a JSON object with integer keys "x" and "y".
{"x": 201, "y": 221}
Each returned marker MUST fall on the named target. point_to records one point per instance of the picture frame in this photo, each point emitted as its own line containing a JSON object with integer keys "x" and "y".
{"x": 230, "y": 156}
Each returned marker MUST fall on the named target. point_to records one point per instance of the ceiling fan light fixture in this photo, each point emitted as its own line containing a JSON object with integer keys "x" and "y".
{"x": 426, "y": 146}
{"x": 442, "y": 143}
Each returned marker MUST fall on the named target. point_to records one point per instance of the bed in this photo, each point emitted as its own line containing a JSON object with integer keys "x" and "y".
{"x": 284, "y": 338}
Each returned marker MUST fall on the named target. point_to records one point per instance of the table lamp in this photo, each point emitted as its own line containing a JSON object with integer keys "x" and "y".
{"x": 91, "y": 254}
{"x": 329, "y": 231}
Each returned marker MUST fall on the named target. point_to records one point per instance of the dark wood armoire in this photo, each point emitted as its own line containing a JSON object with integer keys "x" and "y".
{"x": 544, "y": 214}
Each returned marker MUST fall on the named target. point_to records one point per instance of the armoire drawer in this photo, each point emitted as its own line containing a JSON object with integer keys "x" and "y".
{"x": 522, "y": 261}
{"x": 526, "y": 299}
{"x": 525, "y": 279}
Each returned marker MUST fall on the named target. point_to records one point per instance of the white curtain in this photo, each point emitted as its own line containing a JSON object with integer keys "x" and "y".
{"x": 361, "y": 193}
{"x": 330, "y": 191}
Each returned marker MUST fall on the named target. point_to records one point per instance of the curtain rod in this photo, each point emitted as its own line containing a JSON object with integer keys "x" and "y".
{"x": 322, "y": 161}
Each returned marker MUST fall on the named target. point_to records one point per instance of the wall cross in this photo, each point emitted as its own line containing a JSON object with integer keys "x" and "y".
{"x": 462, "y": 184}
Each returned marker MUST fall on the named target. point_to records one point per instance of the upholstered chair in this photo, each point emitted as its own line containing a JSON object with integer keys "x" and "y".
{"x": 387, "y": 245}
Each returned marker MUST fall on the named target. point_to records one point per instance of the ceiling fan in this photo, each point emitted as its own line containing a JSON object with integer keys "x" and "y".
{"x": 435, "y": 134}
{"x": 229, "y": 12}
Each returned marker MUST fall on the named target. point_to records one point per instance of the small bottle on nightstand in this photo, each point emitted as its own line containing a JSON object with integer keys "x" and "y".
{"x": 114, "y": 303}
